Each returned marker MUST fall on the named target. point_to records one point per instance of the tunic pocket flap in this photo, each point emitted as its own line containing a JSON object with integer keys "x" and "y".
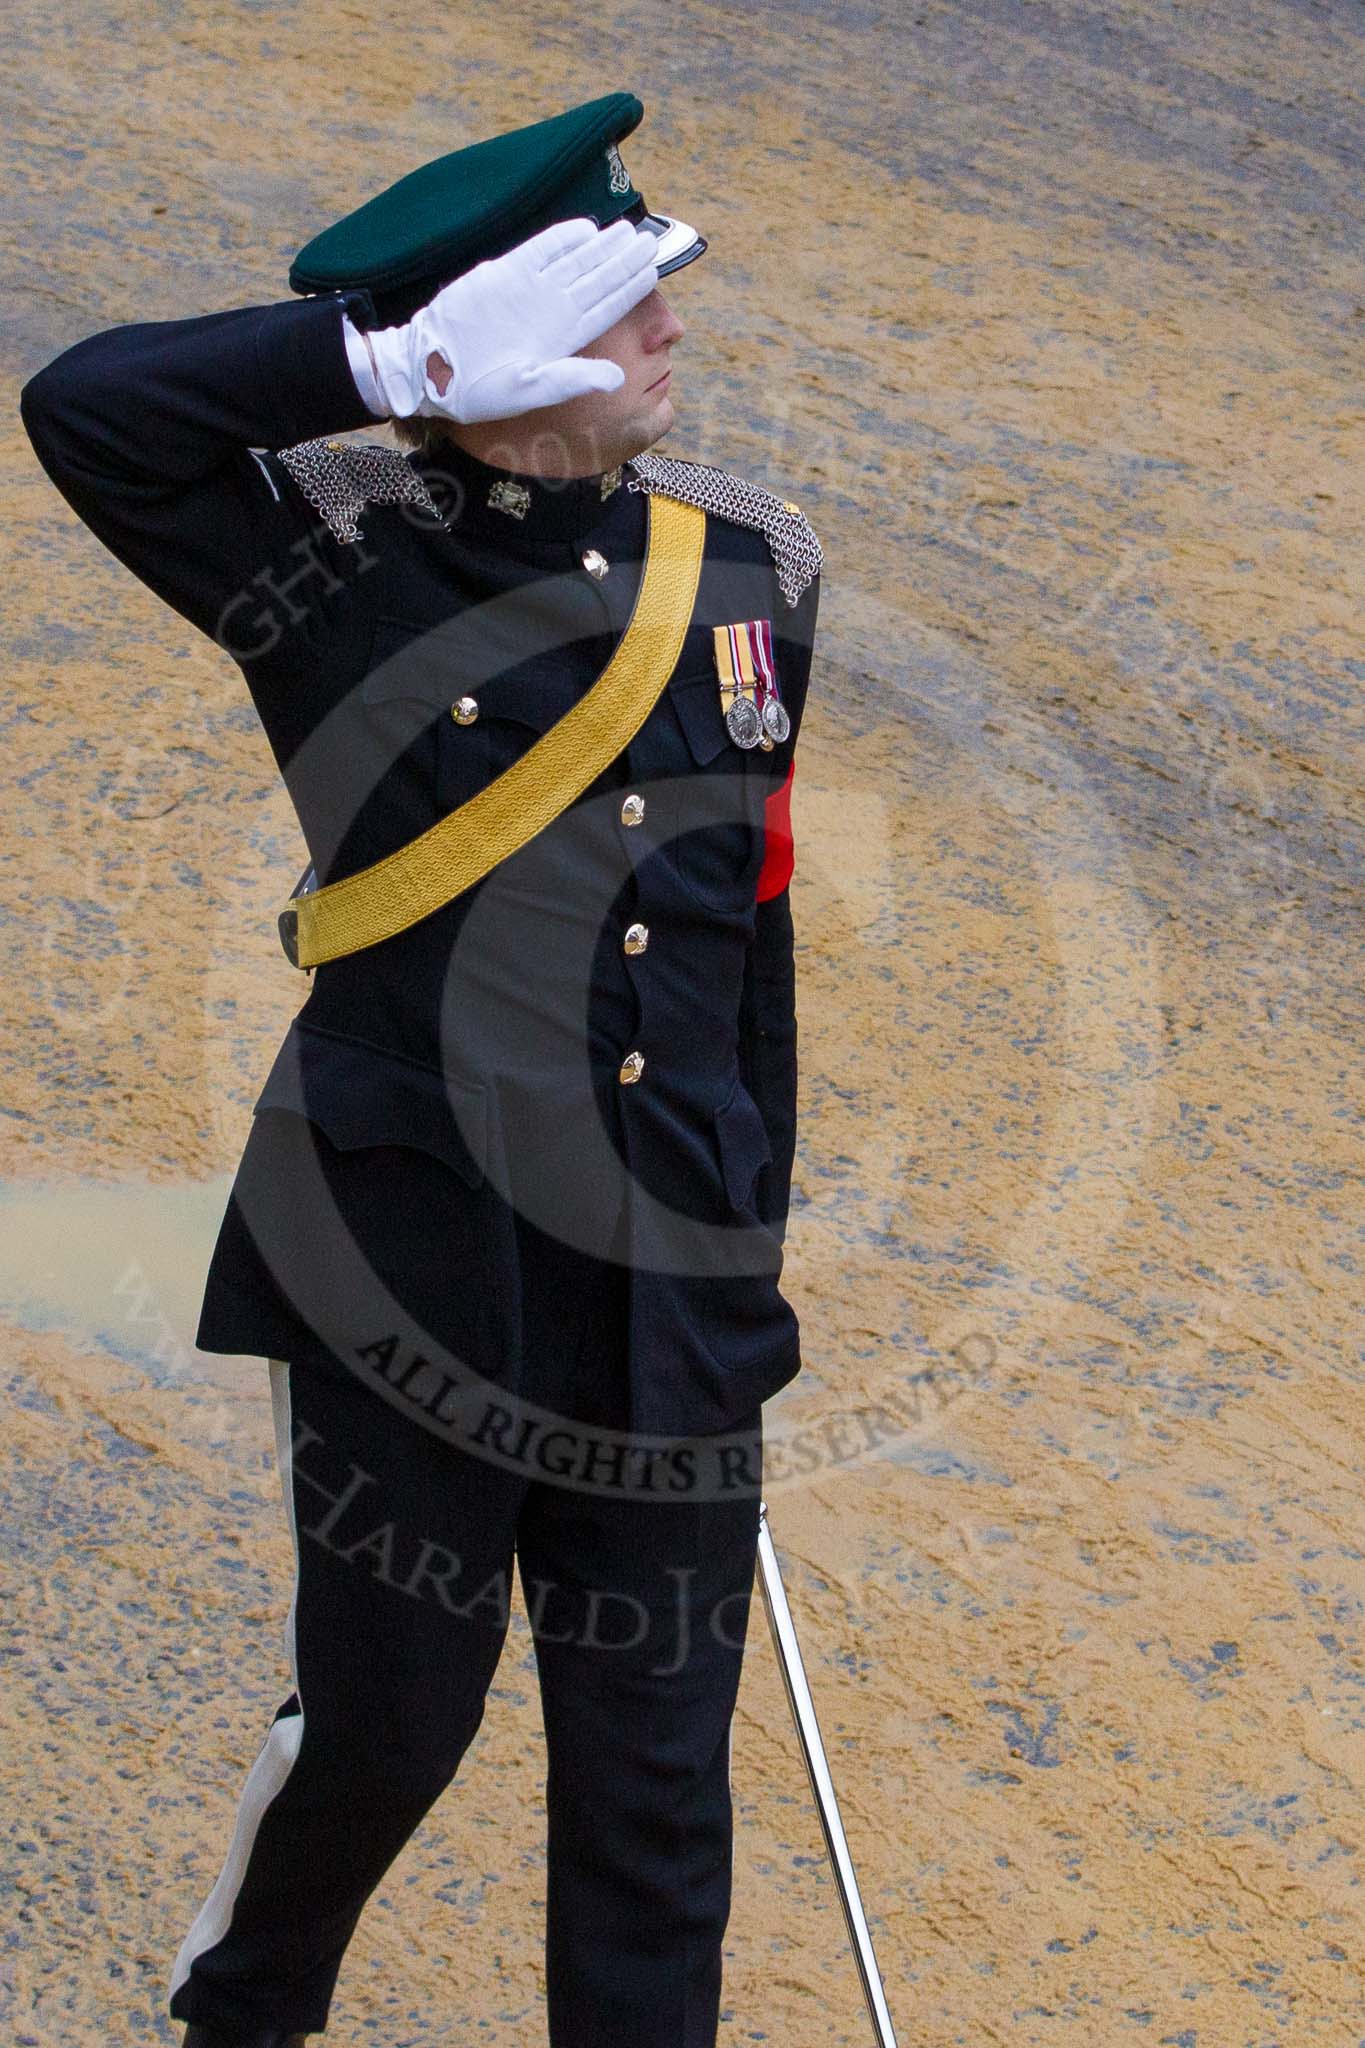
{"x": 744, "y": 1142}
{"x": 696, "y": 699}
{"x": 438, "y": 666}
{"x": 408, "y": 659}
{"x": 359, "y": 1094}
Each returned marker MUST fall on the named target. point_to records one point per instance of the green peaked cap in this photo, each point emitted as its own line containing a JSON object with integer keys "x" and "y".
{"x": 445, "y": 217}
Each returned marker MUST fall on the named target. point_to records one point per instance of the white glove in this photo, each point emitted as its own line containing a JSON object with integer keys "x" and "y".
{"x": 501, "y": 340}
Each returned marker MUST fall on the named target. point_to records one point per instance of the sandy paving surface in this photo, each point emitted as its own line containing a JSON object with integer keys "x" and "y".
{"x": 1051, "y": 318}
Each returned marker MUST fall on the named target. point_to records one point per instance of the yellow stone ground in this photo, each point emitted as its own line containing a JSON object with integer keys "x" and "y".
{"x": 1050, "y": 316}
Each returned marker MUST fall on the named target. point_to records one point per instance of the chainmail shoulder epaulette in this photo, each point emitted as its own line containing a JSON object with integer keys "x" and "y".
{"x": 340, "y": 478}
{"x": 795, "y": 550}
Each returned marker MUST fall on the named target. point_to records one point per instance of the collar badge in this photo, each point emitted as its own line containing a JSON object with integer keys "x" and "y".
{"x": 514, "y": 499}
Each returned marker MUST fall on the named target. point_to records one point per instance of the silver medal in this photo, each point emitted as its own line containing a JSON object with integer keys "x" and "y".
{"x": 775, "y": 720}
{"x": 743, "y": 723}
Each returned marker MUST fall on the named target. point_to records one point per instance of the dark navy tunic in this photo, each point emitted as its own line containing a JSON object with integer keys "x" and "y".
{"x": 474, "y": 1067}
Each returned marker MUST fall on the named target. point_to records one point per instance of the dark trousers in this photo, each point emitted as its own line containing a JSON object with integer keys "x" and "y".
{"x": 404, "y": 1543}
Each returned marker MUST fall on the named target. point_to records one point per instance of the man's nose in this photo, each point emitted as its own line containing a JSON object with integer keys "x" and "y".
{"x": 664, "y": 325}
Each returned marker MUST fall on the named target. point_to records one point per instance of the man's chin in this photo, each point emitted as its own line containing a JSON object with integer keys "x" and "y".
{"x": 650, "y": 427}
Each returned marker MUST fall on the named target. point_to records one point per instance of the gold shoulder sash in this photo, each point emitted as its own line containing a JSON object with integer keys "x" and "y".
{"x": 457, "y": 851}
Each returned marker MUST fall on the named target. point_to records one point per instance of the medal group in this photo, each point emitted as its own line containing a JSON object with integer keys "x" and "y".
{"x": 750, "y": 696}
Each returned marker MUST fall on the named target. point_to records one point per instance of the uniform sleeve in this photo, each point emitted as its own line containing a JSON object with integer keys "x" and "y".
{"x": 767, "y": 1010}
{"x": 147, "y": 432}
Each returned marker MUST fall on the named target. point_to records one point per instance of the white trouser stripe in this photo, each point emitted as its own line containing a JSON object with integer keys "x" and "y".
{"x": 281, "y": 1746}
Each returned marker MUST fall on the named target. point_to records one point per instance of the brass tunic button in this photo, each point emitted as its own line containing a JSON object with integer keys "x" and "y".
{"x": 632, "y": 1066}
{"x": 595, "y": 564}
{"x": 633, "y": 810}
{"x": 767, "y": 742}
{"x": 465, "y": 710}
{"x": 637, "y": 938}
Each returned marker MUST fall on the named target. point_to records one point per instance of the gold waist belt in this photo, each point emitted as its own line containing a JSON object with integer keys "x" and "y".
{"x": 459, "y": 850}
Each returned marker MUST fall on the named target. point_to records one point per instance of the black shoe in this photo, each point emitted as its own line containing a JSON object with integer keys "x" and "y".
{"x": 197, "y": 2036}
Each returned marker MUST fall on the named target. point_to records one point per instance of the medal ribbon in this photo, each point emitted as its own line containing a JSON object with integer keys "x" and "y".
{"x": 744, "y": 662}
{"x": 728, "y": 666}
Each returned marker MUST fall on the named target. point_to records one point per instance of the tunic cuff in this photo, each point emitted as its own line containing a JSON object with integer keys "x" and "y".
{"x": 305, "y": 369}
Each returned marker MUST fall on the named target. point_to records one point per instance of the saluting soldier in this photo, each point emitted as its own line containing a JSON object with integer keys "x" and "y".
{"x": 509, "y": 1223}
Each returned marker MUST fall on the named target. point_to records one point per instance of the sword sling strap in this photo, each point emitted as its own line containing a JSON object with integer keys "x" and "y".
{"x": 460, "y": 849}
